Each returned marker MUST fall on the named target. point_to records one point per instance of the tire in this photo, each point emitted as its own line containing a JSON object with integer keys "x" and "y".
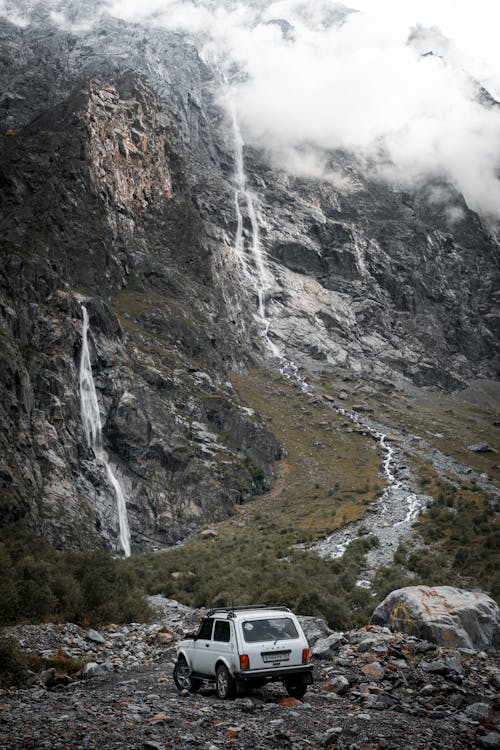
{"x": 224, "y": 683}
{"x": 182, "y": 677}
{"x": 296, "y": 689}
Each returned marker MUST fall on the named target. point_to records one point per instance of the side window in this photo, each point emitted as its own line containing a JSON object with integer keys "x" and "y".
{"x": 205, "y": 630}
{"x": 222, "y": 631}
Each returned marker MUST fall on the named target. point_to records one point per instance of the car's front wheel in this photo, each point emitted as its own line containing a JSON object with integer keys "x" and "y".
{"x": 182, "y": 677}
{"x": 296, "y": 688}
{"x": 224, "y": 683}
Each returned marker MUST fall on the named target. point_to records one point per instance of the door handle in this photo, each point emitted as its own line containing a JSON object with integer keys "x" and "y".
{"x": 207, "y": 645}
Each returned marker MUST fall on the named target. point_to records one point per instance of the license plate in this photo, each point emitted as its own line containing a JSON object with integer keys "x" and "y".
{"x": 276, "y": 656}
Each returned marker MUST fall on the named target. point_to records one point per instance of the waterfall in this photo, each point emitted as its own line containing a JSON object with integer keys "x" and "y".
{"x": 91, "y": 421}
{"x": 261, "y": 280}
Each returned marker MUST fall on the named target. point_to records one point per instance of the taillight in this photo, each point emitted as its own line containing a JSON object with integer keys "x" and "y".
{"x": 306, "y": 655}
{"x": 244, "y": 662}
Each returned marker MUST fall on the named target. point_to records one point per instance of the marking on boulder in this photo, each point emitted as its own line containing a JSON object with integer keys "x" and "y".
{"x": 401, "y": 619}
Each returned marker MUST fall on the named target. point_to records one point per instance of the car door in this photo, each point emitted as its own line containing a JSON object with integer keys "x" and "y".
{"x": 200, "y": 652}
{"x": 223, "y": 644}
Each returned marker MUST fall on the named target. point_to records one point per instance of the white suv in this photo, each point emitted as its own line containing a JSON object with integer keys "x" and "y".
{"x": 243, "y": 647}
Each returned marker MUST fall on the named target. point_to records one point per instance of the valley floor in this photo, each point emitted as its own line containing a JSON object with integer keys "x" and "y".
{"x": 142, "y": 709}
{"x": 373, "y": 690}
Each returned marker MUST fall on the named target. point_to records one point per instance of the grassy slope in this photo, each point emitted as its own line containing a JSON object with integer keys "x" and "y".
{"x": 328, "y": 477}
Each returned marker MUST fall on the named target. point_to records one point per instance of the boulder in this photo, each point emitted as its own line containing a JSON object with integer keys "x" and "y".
{"x": 314, "y": 628}
{"x": 339, "y": 684}
{"x": 326, "y": 648}
{"x": 95, "y": 636}
{"x": 442, "y": 614}
{"x": 481, "y": 448}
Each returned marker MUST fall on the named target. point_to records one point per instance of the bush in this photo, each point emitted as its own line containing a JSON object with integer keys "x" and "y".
{"x": 12, "y": 667}
{"x": 40, "y": 584}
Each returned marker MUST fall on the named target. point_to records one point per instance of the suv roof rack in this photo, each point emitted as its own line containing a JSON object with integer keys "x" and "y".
{"x": 231, "y": 610}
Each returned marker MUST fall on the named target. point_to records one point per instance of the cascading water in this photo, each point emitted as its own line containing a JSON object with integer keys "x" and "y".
{"x": 91, "y": 420}
{"x": 262, "y": 279}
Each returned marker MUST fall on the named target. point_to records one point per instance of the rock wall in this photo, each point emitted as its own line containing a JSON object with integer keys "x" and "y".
{"x": 98, "y": 210}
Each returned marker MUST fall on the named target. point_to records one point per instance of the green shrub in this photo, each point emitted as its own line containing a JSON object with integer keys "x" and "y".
{"x": 40, "y": 584}
{"x": 12, "y": 667}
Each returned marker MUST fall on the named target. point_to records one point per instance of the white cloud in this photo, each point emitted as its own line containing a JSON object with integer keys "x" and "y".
{"x": 357, "y": 85}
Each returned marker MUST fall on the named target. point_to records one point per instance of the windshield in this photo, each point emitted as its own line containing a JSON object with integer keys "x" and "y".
{"x": 270, "y": 629}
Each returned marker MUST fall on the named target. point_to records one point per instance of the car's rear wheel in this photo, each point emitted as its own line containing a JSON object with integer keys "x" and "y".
{"x": 182, "y": 676}
{"x": 224, "y": 683}
{"x": 296, "y": 688}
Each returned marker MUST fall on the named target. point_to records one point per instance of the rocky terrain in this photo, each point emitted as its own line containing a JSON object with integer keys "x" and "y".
{"x": 372, "y": 688}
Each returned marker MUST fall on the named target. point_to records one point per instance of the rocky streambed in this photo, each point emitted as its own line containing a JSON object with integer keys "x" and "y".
{"x": 373, "y": 689}
{"x": 390, "y": 519}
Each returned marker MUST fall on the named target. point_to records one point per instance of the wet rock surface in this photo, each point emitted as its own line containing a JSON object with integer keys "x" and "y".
{"x": 376, "y": 688}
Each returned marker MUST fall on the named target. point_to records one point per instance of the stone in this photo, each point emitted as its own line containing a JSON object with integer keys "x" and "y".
{"x": 160, "y": 719}
{"x": 445, "y": 615}
{"x": 327, "y": 647}
{"x": 481, "y": 448}
{"x": 209, "y": 534}
{"x": 339, "y": 684}
{"x": 427, "y": 689}
{"x": 490, "y": 740}
{"x": 92, "y": 669}
{"x": 374, "y": 670}
{"x": 374, "y": 642}
{"x": 314, "y": 628}
{"x": 95, "y": 636}
{"x": 165, "y": 638}
{"x": 289, "y": 701}
{"x": 478, "y": 711}
{"x": 48, "y": 677}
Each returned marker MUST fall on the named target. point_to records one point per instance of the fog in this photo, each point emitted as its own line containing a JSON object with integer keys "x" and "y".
{"x": 360, "y": 81}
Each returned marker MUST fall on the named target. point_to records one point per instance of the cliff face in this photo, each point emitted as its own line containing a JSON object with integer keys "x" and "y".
{"x": 97, "y": 210}
{"x": 117, "y": 190}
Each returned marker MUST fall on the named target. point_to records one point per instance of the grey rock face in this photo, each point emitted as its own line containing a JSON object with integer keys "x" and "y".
{"x": 442, "y": 614}
{"x": 314, "y": 629}
{"x": 96, "y": 199}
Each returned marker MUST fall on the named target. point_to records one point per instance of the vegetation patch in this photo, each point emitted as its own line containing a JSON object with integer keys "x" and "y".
{"x": 40, "y": 584}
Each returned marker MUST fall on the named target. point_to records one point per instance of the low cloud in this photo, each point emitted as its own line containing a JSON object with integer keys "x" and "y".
{"x": 315, "y": 77}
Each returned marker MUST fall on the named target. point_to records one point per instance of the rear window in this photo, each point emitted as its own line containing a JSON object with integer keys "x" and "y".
{"x": 271, "y": 629}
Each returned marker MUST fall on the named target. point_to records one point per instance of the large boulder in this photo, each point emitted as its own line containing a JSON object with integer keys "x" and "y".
{"x": 442, "y": 614}
{"x": 314, "y": 628}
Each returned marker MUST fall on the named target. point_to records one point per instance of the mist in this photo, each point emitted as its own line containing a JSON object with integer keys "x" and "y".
{"x": 360, "y": 81}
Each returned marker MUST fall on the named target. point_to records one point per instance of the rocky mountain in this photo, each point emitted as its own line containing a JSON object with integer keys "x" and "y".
{"x": 125, "y": 187}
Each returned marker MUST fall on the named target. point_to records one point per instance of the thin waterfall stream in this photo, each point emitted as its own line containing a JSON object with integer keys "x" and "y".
{"x": 391, "y": 516}
{"x": 91, "y": 420}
